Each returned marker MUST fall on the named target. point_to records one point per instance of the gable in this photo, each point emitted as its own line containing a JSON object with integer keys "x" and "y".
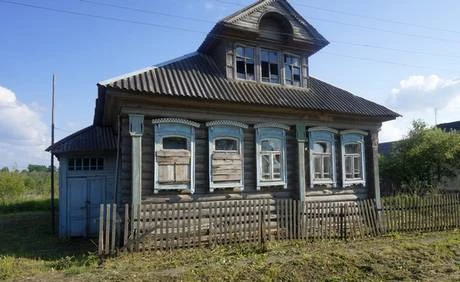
{"x": 250, "y": 18}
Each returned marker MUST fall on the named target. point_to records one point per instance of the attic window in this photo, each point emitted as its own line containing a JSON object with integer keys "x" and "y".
{"x": 245, "y": 63}
{"x": 269, "y": 65}
{"x": 292, "y": 70}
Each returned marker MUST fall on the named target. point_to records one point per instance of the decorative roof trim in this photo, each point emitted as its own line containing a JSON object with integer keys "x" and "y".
{"x": 354, "y": 131}
{"x": 226, "y": 123}
{"x": 176, "y": 59}
{"x": 272, "y": 124}
{"x": 322, "y": 128}
{"x": 126, "y": 75}
{"x": 175, "y": 120}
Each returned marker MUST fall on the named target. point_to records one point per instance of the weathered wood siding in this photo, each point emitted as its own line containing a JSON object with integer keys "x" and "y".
{"x": 251, "y": 21}
{"x": 202, "y": 192}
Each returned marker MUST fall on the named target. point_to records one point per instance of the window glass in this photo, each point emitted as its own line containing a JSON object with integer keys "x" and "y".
{"x": 322, "y": 160}
{"x": 321, "y": 147}
{"x": 245, "y": 63}
{"x": 269, "y": 65}
{"x": 86, "y": 164}
{"x": 71, "y": 164}
{"x": 271, "y": 145}
{"x": 175, "y": 143}
{"x": 292, "y": 70}
{"x": 266, "y": 166}
{"x": 78, "y": 164}
{"x": 100, "y": 163}
{"x": 352, "y": 157}
{"x": 226, "y": 144}
{"x": 354, "y": 148}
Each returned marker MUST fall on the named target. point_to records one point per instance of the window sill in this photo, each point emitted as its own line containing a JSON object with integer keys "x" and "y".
{"x": 271, "y": 183}
{"x": 347, "y": 183}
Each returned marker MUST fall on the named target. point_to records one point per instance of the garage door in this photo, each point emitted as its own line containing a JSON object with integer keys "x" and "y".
{"x": 85, "y": 196}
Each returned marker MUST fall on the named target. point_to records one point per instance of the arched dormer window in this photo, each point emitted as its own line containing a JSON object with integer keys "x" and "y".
{"x": 275, "y": 26}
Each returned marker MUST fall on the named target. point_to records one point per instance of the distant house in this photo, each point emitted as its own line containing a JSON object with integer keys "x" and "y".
{"x": 240, "y": 118}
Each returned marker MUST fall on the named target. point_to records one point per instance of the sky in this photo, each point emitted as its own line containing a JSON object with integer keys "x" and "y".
{"x": 401, "y": 54}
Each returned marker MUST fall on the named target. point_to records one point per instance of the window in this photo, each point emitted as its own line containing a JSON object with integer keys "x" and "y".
{"x": 269, "y": 66}
{"x": 353, "y": 157}
{"x": 271, "y": 155}
{"x": 226, "y": 154}
{"x": 292, "y": 70}
{"x": 175, "y": 143}
{"x": 85, "y": 164}
{"x": 322, "y": 156}
{"x": 322, "y": 160}
{"x": 271, "y": 159}
{"x": 245, "y": 63}
{"x": 226, "y": 144}
{"x": 174, "y": 154}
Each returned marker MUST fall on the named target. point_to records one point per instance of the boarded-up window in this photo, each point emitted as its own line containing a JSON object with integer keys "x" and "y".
{"x": 174, "y": 154}
{"x": 225, "y": 154}
{"x": 173, "y": 166}
{"x": 226, "y": 167}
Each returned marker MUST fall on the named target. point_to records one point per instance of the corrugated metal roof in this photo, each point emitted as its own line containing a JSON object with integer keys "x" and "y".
{"x": 90, "y": 139}
{"x": 450, "y": 126}
{"x": 198, "y": 77}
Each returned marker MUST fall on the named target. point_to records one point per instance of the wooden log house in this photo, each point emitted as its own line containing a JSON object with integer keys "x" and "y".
{"x": 240, "y": 118}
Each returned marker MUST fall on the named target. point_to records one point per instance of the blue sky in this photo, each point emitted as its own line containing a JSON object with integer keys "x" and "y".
{"x": 411, "y": 63}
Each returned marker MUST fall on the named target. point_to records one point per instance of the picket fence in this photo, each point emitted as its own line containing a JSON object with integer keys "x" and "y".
{"x": 184, "y": 225}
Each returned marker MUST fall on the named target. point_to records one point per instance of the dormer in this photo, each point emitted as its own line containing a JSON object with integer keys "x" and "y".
{"x": 266, "y": 42}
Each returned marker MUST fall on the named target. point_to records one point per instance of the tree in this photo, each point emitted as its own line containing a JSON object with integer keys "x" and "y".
{"x": 419, "y": 162}
{"x": 38, "y": 168}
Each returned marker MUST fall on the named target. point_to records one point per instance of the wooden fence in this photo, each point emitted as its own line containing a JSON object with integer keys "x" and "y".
{"x": 184, "y": 225}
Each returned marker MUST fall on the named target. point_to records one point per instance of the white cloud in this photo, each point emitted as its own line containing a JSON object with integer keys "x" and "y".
{"x": 23, "y": 135}
{"x": 417, "y": 97}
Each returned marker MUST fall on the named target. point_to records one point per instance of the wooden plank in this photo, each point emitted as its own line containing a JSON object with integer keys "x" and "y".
{"x": 200, "y": 214}
{"x": 107, "y": 230}
{"x": 226, "y": 156}
{"x": 126, "y": 225}
{"x": 113, "y": 229}
{"x": 277, "y": 210}
{"x": 101, "y": 230}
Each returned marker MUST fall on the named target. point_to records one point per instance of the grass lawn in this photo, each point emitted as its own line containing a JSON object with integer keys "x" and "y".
{"x": 28, "y": 251}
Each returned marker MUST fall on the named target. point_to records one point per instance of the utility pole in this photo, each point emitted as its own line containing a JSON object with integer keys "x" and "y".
{"x": 53, "y": 215}
{"x": 435, "y": 116}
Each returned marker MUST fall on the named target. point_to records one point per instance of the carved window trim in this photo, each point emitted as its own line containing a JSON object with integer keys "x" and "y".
{"x": 267, "y": 133}
{"x": 231, "y": 130}
{"x": 326, "y": 135}
{"x": 353, "y": 137}
{"x": 171, "y": 127}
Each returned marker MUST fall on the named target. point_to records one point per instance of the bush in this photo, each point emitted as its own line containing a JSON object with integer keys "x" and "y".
{"x": 11, "y": 186}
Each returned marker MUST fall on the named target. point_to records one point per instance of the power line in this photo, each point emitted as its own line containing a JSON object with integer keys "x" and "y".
{"x": 377, "y": 19}
{"x": 186, "y": 30}
{"x": 104, "y": 4}
{"x": 387, "y": 62}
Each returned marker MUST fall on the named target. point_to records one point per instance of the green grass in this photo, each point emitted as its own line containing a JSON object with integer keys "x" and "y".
{"x": 28, "y": 250}
{"x": 31, "y": 204}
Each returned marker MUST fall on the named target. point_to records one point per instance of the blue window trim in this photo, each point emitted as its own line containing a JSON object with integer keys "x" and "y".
{"x": 322, "y": 134}
{"x": 231, "y": 130}
{"x": 350, "y": 137}
{"x": 264, "y": 133}
{"x": 174, "y": 128}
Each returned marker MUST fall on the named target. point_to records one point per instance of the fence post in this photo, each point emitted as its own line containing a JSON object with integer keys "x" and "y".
{"x": 101, "y": 230}
{"x": 114, "y": 229}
